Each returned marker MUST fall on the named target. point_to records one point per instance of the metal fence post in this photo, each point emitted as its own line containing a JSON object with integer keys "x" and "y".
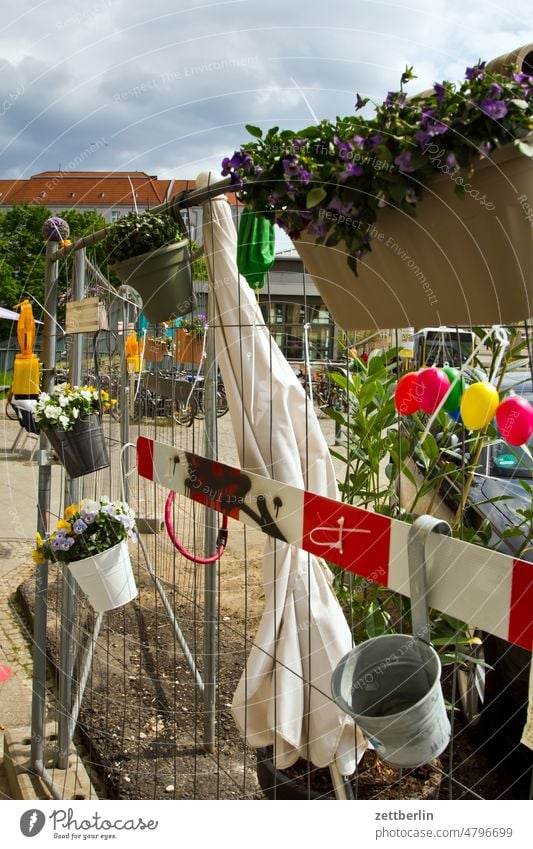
{"x": 72, "y": 495}
{"x": 210, "y": 570}
{"x": 43, "y": 510}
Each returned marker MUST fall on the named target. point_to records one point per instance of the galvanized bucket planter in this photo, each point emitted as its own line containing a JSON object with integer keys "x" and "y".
{"x": 83, "y": 449}
{"x": 106, "y": 578}
{"x": 391, "y": 686}
{"x": 458, "y": 262}
{"x": 163, "y": 279}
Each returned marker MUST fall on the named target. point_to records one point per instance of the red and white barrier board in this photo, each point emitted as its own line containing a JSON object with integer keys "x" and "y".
{"x": 485, "y": 588}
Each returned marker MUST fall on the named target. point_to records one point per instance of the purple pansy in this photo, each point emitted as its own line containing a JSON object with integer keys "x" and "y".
{"x": 451, "y": 161}
{"x": 79, "y": 526}
{"x": 319, "y": 227}
{"x": 344, "y": 147}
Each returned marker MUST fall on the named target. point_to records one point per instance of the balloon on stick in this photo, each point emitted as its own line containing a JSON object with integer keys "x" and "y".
{"x": 514, "y": 418}
{"x": 433, "y": 385}
{"x": 406, "y": 396}
{"x": 478, "y": 405}
{"x": 453, "y": 401}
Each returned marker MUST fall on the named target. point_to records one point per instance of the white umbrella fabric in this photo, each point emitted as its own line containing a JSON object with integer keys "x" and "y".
{"x": 283, "y": 698}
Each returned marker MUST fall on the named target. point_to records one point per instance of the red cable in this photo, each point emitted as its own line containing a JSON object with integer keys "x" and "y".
{"x": 221, "y": 541}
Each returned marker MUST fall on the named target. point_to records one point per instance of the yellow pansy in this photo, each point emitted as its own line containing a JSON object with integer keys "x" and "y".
{"x": 38, "y": 556}
{"x": 71, "y": 510}
{"x": 62, "y": 525}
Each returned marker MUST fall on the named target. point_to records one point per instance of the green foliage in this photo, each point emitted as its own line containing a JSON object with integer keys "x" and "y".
{"x": 22, "y": 251}
{"x": 137, "y": 234}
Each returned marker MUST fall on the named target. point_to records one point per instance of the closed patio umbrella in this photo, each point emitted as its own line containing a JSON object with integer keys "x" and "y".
{"x": 283, "y": 698}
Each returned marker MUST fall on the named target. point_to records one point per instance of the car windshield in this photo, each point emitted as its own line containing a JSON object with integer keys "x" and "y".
{"x": 453, "y": 349}
{"x": 510, "y": 461}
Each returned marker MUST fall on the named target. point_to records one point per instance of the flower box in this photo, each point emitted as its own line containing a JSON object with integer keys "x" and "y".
{"x": 188, "y": 348}
{"x": 155, "y": 350}
{"x": 459, "y": 262}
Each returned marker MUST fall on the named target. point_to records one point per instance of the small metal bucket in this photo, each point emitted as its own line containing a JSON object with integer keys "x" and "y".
{"x": 391, "y": 686}
{"x": 83, "y": 449}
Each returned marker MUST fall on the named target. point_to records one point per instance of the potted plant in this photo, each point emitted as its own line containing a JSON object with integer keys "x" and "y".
{"x": 142, "y": 250}
{"x": 92, "y": 541}
{"x": 348, "y": 193}
{"x": 71, "y": 418}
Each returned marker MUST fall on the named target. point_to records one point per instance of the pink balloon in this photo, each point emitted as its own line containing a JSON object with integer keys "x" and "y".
{"x": 406, "y": 397}
{"x": 433, "y": 384}
{"x": 514, "y": 418}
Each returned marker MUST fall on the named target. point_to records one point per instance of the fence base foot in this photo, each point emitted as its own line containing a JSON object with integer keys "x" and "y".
{"x": 25, "y": 784}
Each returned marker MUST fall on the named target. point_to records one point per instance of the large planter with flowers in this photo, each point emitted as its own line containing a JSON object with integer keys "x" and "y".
{"x": 144, "y": 254}
{"x": 71, "y": 419}
{"x": 420, "y": 215}
{"x": 459, "y": 261}
{"x": 92, "y": 542}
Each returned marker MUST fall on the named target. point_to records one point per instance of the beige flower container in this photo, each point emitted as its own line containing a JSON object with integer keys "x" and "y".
{"x": 459, "y": 262}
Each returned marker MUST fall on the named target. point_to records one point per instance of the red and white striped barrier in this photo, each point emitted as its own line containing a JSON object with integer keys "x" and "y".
{"x": 485, "y": 588}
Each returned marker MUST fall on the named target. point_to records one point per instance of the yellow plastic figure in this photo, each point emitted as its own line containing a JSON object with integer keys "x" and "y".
{"x": 26, "y": 371}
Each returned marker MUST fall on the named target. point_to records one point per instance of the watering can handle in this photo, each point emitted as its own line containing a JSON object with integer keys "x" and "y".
{"x": 416, "y": 556}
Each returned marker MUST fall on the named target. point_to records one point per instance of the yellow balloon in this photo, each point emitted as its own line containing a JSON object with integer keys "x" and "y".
{"x": 478, "y": 405}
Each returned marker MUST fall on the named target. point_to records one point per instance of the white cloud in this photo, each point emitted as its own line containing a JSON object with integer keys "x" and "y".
{"x": 171, "y": 84}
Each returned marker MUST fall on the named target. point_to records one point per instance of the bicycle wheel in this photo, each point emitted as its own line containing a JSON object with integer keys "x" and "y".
{"x": 184, "y": 413}
{"x": 222, "y": 404}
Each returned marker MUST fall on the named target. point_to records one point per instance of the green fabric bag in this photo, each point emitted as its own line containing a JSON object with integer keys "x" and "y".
{"x": 256, "y": 244}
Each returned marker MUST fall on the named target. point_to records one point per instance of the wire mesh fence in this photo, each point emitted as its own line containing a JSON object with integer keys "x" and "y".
{"x": 153, "y": 682}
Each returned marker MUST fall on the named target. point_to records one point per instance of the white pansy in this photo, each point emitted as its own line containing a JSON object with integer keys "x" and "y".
{"x": 75, "y": 412}
{"x": 64, "y": 421}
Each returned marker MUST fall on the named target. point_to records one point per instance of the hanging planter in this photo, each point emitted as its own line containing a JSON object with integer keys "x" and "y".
{"x": 460, "y": 261}
{"x": 144, "y": 254}
{"x": 71, "y": 419}
{"x": 420, "y": 215}
{"x": 83, "y": 449}
{"x": 106, "y": 578}
{"x": 92, "y": 541}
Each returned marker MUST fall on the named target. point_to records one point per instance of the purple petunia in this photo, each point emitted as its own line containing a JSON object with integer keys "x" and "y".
{"x": 440, "y": 91}
{"x": 493, "y": 108}
{"x": 476, "y": 71}
{"x": 353, "y": 169}
{"x": 403, "y": 161}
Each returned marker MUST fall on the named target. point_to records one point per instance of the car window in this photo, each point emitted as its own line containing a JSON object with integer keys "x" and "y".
{"x": 511, "y": 461}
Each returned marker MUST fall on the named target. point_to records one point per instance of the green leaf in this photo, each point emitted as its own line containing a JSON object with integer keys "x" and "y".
{"x": 520, "y": 104}
{"x": 257, "y": 132}
{"x": 315, "y": 196}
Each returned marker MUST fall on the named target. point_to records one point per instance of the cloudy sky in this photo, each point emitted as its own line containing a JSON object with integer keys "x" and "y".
{"x": 167, "y": 86}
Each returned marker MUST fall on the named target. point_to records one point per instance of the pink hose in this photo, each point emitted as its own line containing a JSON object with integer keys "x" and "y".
{"x": 221, "y": 541}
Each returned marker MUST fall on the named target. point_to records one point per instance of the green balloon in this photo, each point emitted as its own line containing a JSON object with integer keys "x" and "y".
{"x": 453, "y": 401}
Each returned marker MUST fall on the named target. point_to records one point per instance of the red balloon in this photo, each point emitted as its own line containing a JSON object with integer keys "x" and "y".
{"x": 406, "y": 397}
{"x": 433, "y": 385}
{"x": 514, "y": 418}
